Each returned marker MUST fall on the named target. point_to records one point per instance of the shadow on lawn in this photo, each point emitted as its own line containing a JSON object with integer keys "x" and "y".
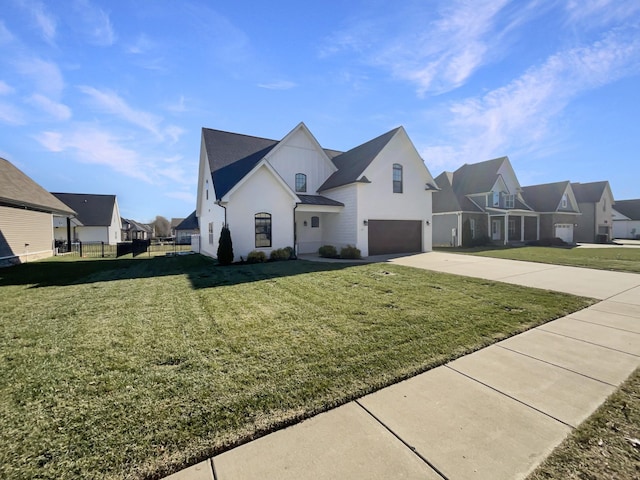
{"x": 203, "y": 272}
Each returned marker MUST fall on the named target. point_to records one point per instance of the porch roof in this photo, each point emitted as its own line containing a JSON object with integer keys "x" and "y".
{"x": 318, "y": 200}
{"x": 512, "y": 211}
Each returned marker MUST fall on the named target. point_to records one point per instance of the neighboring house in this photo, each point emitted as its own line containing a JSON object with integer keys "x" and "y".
{"x": 484, "y": 201}
{"x": 132, "y": 230}
{"x": 174, "y": 223}
{"x": 626, "y": 219}
{"x": 186, "y": 228}
{"x": 557, "y": 207}
{"x": 292, "y": 192}
{"x": 595, "y": 202}
{"x": 98, "y": 215}
{"x": 26, "y": 217}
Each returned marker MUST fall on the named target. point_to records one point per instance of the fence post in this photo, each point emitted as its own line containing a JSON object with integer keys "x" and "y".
{"x": 80, "y": 244}
{"x": 102, "y": 249}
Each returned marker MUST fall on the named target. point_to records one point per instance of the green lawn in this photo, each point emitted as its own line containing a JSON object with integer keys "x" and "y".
{"x": 135, "y": 368}
{"x": 605, "y": 446}
{"x": 620, "y": 259}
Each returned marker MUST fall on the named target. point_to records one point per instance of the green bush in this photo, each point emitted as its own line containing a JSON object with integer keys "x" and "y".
{"x": 467, "y": 240}
{"x": 225, "y": 247}
{"x": 328, "y": 251}
{"x": 289, "y": 251}
{"x": 350, "y": 252}
{"x": 280, "y": 254}
{"x": 481, "y": 241}
{"x": 256, "y": 256}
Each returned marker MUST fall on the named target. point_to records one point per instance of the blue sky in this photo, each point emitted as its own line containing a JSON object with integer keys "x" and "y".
{"x": 109, "y": 96}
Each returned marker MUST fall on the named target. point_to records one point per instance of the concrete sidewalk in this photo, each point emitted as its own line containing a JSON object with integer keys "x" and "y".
{"x": 494, "y": 414}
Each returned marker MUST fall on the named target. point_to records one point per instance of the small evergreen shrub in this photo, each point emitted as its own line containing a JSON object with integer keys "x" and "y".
{"x": 481, "y": 241}
{"x": 289, "y": 251}
{"x": 256, "y": 256}
{"x": 328, "y": 251}
{"x": 225, "y": 247}
{"x": 467, "y": 241}
{"x": 280, "y": 254}
{"x": 350, "y": 252}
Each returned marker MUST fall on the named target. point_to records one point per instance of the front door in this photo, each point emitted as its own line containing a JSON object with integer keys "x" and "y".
{"x": 495, "y": 229}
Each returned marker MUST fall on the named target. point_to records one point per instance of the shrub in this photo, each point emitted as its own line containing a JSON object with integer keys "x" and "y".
{"x": 350, "y": 252}
{"x": 280, "y": 254}
{"x": 225, "y": 247}
{"x": 548, "y": 242}
{"x": 289, "y": 251}
{"x": 256, "y": 256}
{"x": 467, "y": 241}
{"x": 481, "y": 241}
{"x": 328, "y": 251}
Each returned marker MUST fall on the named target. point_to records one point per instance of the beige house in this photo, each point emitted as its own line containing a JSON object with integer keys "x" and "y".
{"x": 595, "y": 202}
{"x": 26, "y": 217}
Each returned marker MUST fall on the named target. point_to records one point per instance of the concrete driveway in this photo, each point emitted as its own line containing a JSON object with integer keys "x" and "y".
{"x": 494, "y": 414}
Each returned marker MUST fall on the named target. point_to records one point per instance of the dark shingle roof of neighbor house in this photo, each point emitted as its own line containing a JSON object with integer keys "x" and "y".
{"x": 589, "y": 192}
{"x": 94, "y": 210}
{"x": 175, "y": 222}
{"x": 189, "y": 223}
{"x": 17, "y": 189}
{"x": 318, "y": 200}
{"x": 233, "y": 155}
{"x": 545, "y": 197}
{"x": 629, "y": 208}
{"x": 136, "y": 226}
{"x": 353, "y": 163}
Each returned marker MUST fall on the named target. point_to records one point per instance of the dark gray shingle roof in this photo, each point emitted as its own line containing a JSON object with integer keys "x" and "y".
{"x": 189, "y": 223}
{"x": 93, "y": 210}
{"x": 318, "y": 200}
{"x": 589, "y": 192}
{"x": 629, "y": 208}
{"x": 353, "y": 163}
{"x": 477, "y": 177}
{"x": 17, "y": 189}
{"x": 545, "y": 197}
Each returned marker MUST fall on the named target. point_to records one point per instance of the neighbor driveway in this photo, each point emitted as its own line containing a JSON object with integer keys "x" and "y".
{"x": 494, "y": 414}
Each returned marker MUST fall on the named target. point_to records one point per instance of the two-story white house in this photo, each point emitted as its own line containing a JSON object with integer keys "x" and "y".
{"x": 293, "y": 192}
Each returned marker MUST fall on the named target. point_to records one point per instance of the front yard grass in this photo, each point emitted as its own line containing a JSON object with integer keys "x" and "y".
{"x": 136, "y": 368}
{"x": 605, "y": 446}
{"x": 611, "y": 258}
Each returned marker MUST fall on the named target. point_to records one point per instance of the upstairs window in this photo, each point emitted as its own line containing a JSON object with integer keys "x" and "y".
{"x": 301, "y": 182}
{"x": 563, "y": 202}
{"x": 397, "y": 178}
{"x": 263, "y": 229}
{"x": 496, "y": 199}
{"x": 509, "y": 201}
{"x": 210, "y": 233}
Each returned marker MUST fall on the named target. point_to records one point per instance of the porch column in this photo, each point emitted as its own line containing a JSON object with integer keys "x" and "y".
{"x": 506, "y": 228}
{"x": 522, "y": 228}
{"x": 537, "y": 227}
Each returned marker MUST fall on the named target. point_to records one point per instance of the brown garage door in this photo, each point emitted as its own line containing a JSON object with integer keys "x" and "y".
{"x": 394, "y": 236}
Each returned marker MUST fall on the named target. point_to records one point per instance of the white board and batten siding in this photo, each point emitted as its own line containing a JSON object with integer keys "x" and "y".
{"x": 343, "y": 229}
{"x": 19, "y": 227}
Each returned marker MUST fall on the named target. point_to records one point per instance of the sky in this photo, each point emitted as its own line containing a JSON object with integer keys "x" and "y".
{"x": 110, "y": 96}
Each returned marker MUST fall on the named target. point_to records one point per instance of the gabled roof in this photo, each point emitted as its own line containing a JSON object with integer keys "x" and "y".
{"x": 175, "y": 222}
{"x": 93, "y": 210}
{"x": 477, "y": 177}
{"x": 589, "y": 192}
{"x": 545, "y": 197}
{"x": 318, "y": 200}
{"x": 629, "y": 208}
{"x": 189, "y": 223}
{"x": 353, "y": 163}
{"x": 18, "y": 190}
{"x": 136, "y": 226}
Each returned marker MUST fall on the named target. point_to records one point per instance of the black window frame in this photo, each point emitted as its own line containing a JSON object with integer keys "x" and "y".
{"x": 315, "y": 222}
{"x": 263, "y": 222}
{"x": 301, "y": 186}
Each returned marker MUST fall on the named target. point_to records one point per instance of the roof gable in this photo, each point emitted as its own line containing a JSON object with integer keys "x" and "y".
{"x": 589, "y": 192}
{"x": 17, "y": 189}
{"x": 189, "y": 223}
{"x": 93, "y": 210}
{"x": 290, "y": 137}
{"x": 628, "y": 208}
{"x": 477, "y": 177}
{"x": 445, "y": 200}
{"x": 353, "y": 163}
{"x": 547, "y": 197}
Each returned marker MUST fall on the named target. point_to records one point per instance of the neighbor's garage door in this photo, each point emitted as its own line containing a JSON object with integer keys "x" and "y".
{"x": 564, "y": 231}
{"x": 394, "y": 236}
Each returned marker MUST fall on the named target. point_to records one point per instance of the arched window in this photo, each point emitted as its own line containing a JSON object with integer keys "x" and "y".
{"x": 397, "y": 178}
{"x": 301, "y": 182}
{"x": 263, "y": 229}
{"x": 315, "y": 222}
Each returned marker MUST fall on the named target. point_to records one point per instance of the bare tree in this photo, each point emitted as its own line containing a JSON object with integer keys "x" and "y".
{"x": 162, "y": 226}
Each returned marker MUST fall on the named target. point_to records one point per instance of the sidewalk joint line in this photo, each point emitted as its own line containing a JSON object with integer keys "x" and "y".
{"x": 587, "y": 341}
{"x": 556, "y": 365}
{"x": 623, "y": 291}
{"x": 410, "y": 447}
{"x": 213, "y": 469}
{"x": 600, "y": 324}
{"x": 511, "y": 397}
{"x": 593, "y": 307}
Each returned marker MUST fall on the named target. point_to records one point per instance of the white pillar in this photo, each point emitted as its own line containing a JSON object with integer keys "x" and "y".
{"x": 506, "y": 228}
{"x": 522, "y": 228}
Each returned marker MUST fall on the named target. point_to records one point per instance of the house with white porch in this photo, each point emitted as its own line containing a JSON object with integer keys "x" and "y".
{"x": 482, "y": 202}
{"x": 98, "y": 218}
{"x": 293, "y": 192}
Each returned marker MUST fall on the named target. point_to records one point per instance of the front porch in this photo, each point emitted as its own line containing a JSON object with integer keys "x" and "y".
{"x": 314, "y": 223}
{"x": 508, "y": 227}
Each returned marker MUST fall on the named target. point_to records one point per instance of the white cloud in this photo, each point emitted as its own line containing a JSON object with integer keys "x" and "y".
{"x": 278, "y": 85}
{"x": 46, "y": 22}
{"x": 5, "y": 35}
{"x": 46, "y": 76}
{"x": 11, "y": 115}
{"x": 94, "y": 23}
{"x": 142, "y": 45}
{"x": 518, "y": 115}
{"x": 600, "y": 12}
{"x": 179, "y": 106}
{"x": 58, "y": 111}
{"x": 5, "y": 89}
{"x": 91, "y": 145}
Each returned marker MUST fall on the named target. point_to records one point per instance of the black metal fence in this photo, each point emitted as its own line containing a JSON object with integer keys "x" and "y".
{"x": 105, "y": 250}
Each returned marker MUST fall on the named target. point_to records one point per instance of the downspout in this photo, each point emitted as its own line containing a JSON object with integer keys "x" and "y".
{"x": 295, "y": 234}
{"x": 219, "y": 203}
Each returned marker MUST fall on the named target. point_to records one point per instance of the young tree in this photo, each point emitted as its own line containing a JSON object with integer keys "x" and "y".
{"x": 225, "y": 247}
{"x": 162, "y": 226}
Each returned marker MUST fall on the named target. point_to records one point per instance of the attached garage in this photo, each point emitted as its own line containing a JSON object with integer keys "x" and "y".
{"x": 394, "y": 236}
{"x": 564, "y": 231}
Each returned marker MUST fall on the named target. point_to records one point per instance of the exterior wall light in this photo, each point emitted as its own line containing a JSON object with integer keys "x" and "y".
{"x": 428, "y": 223}
{"x": 365, "y": 223}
